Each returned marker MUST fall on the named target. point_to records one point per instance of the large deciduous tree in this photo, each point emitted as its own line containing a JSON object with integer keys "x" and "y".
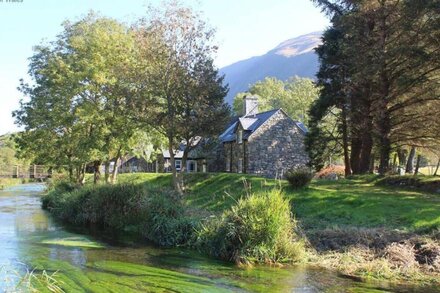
{"x": 76, "y": 112}
{"x": 179, "y": 90}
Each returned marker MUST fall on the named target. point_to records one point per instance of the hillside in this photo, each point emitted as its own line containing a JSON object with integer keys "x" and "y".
{"x": 292, "y": 57}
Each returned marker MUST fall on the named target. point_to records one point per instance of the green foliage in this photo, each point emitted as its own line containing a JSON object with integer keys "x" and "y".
{"x": 77, "y": 102}
{"x": 166, "y": 222}
{"x": 294, "y": 95}
{"x": 262, "y": 222}
{"x": 156, "y": 214}
{"x": 8, "y": 151}
{"x": 299, "y": 177}
{"x": 379, "y": 66}
{"x": 188, "y": 92}
{"x": 258, "y": 229}
{"x": 5, "y": 182}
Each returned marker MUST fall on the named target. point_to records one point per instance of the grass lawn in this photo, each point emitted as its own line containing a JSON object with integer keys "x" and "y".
{"x": 325, "y": 204}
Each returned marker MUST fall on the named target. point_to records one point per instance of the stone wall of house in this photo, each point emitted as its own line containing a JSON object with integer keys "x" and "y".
{"x": 215, "y": 159}
{"x": 237, "y": 151}
{"x": 275, "y": 147}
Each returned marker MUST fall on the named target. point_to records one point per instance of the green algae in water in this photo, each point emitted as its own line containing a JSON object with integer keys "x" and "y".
{"x": 113, "y": 276}
{"x": 81, "y": 242}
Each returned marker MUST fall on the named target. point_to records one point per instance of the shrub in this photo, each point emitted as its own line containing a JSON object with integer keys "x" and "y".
{"x": 425, "y": 183}
{"x": 298, "y": 178}
{"x": 158, "y": 215}
{"x": 166, "y": 222}
{"x": 259, "y": 229}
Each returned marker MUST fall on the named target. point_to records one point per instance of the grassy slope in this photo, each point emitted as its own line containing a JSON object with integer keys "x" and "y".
{"x": 325, "y": 204}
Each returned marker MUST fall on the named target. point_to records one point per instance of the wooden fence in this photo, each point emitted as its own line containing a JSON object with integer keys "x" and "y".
{"x": 20, "y": 171}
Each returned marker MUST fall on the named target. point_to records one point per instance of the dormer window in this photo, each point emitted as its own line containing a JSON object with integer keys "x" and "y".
{"x": 240, "y": 136}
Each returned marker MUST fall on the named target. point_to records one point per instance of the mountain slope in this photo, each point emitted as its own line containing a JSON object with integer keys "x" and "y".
{"x": 292, "y": 57}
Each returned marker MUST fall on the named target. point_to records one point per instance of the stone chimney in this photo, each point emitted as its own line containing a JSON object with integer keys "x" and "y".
{"x": 250, "y": 105}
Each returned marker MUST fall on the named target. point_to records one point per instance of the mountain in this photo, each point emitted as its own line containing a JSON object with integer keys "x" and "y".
{"x": 292, "y": 57}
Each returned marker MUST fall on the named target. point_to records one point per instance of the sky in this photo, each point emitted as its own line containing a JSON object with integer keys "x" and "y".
{"x": 245, "y": 28}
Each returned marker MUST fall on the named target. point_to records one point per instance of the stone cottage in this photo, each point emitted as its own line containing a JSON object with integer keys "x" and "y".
{"x": 267, "y": 143}
{"x": 195, "y": 162}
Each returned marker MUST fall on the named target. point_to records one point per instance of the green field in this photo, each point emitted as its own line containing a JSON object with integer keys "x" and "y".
{"x": 325, "y": 204}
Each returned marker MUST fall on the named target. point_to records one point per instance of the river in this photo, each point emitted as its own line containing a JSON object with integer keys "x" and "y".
{"x": 85, "y": 262}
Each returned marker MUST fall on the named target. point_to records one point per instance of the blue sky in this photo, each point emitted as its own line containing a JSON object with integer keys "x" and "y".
{"x": 245, "y": 28}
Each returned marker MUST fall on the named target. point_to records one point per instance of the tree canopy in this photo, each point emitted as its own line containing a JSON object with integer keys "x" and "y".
{"x": 380, "y": 69}
{"x": 294, "y": 96}
{"x": 101, "y": 88}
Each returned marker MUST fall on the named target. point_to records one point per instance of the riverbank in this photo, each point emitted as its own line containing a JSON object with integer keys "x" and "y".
{"x": 6, "y": 182}
{"x": 353, "y": 226}
{"x": 47, "y": 255}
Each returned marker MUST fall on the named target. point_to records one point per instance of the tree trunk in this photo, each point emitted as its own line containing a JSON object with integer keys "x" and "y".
{"x": 184, "y": 160}
{"x": 71, "y": 173}
{"x": 81, "y": 174}
{"x": 176, "y": 182}
{"x": 395, "y": 163}
{"x": 114, "y": 177}
{"x": 78, "y": 174}
{"x": 371, "y": 167}
{"x": 365, "y": 156}
{"x": 107, "y": 171}
{"x": 438, "y": 166}
{"x": 383, "y": 115}
{"x": 419, "y": 157}
{"x": 345, "y": 143}
{"x": 385, "y": 150}
{"x": 96, "y": 171}
{"x": 385, "y": 145}
{"x": 401, "y": 153}
{"x": 410, "y": 163}
{"x": 356, "y": 145}
{"x": 183, "y": 168}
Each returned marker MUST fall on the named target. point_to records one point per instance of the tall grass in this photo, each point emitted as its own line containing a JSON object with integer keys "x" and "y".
{"x": 31, "y": 281}
{"x": 258, "y": 229}
{"x": 5, "y": 182}
{"x": 158, "y": 215}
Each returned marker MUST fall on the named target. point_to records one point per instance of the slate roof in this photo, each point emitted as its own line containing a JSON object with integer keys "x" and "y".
{"x": 178, "y": 154}
{"x": 302, "y": 126}
{"x": 250, "y": 124}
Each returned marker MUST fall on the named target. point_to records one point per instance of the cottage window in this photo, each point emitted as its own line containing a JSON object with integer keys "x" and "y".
{"x": 240, "y": 136}
{"x": 240, "y": 165}
{"x": 178, "y": 164}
